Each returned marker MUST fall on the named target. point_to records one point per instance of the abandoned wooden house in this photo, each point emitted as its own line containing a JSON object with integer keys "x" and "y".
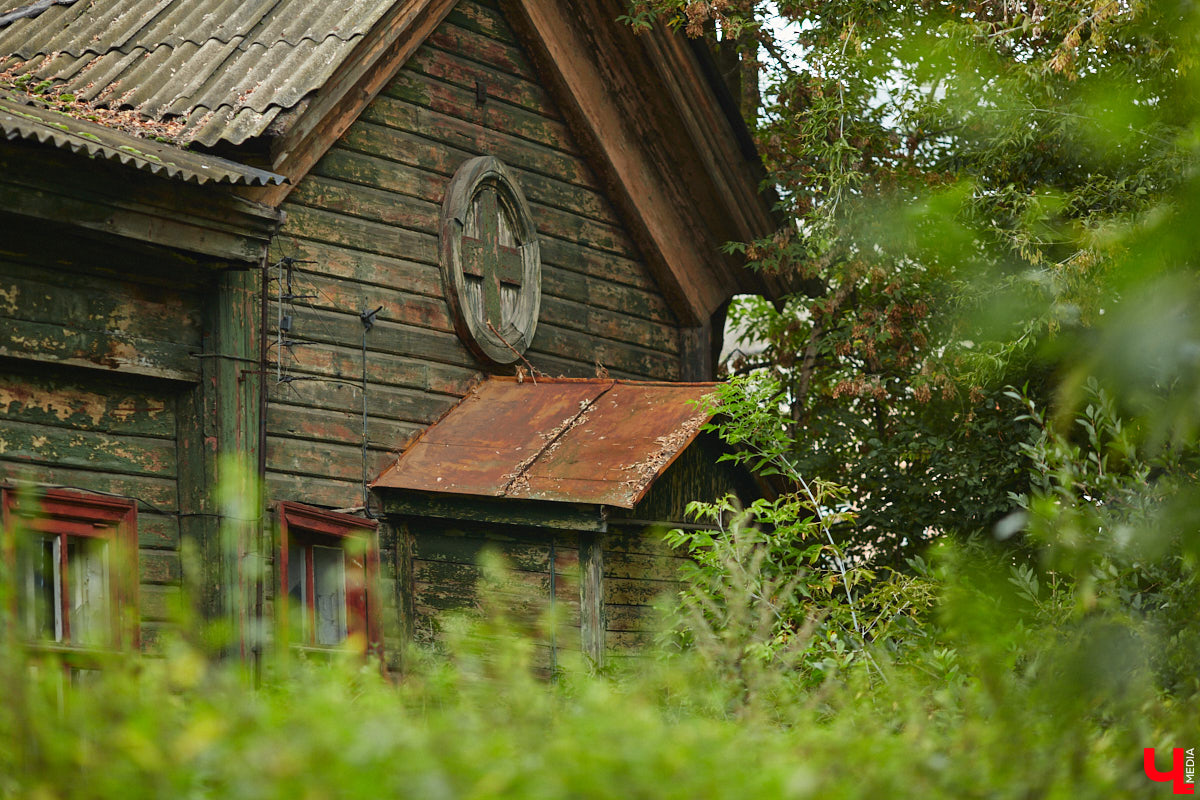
{"x": 345, "y": 245}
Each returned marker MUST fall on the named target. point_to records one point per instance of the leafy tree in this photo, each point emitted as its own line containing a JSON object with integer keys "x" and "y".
{"x": 963, "y": 178}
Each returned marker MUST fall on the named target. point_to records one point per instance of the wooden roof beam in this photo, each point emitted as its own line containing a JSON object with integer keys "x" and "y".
{"x": 590, "y": 89}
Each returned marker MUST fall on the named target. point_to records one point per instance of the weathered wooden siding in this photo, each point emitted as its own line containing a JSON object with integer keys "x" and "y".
{"x": 639, "y": 567}
{"x": 366, "y": 219}
{"x": 444, "y": 571}
{"x": 81, "y": 401}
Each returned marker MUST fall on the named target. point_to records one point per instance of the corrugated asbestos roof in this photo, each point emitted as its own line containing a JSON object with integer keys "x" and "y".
{"x": 227, "y": 68}
{"x": 18, "y": 121}
{"x": 566, "y": 440}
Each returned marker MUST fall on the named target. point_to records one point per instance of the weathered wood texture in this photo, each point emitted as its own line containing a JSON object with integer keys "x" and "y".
{"x": 695, "y": 475}
{"x": 62, "y": 301}
{"x": 366, "y": 218}
{"x": 94, "y": 432}
{"x": 446, "y": 576}
{"x": 639, "y": 569}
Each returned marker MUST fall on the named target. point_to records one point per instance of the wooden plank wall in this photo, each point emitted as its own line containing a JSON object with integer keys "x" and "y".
{"x": 367, "y": 220}
{"x": 445, "y": 573}
{"x": 639, "y": 569}
{"x": 74, "y": 410}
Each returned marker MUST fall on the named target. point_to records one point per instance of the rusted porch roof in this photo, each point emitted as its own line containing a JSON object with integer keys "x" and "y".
{"x": 601, "y": 442}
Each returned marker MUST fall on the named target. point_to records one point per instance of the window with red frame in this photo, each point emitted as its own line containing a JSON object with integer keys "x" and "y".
{"x": 328, "y": 570}
{"x": 75, "y": 564}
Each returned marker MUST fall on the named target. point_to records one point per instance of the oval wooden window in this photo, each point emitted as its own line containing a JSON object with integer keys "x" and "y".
{"x": 491, "y": 262}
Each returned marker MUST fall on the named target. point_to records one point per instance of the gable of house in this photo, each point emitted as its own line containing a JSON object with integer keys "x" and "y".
{"x": 343, "y": 321}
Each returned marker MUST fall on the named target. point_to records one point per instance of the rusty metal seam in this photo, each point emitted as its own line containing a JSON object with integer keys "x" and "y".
{"x": 552, "y": 441}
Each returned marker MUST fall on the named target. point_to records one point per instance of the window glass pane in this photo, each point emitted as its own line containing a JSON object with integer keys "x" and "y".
{"x": 87, "y": 567}
{"x": 37, "y": 607}
{"x": 329, "y": 582}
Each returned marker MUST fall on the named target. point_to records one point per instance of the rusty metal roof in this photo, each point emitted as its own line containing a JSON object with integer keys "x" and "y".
{"x": 20, "y": 121}
{"x": 226, "y": 68}
{"x": 566, "y": 440}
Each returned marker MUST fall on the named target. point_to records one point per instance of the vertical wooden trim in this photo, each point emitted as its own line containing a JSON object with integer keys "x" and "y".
{"x": 310, "y": 600}
{"x": 282, "y": 599}
{"x": 199, "y": 530}
{"x": 64, "y": 588}
{"x": 373, "y": 610}
{"x": 405, "y": 591}
{"x": 592, "y": 622}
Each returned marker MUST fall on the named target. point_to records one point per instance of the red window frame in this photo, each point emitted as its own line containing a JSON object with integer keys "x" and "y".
{"x": 303, "y": 523}
{"x": 63, "y": 514}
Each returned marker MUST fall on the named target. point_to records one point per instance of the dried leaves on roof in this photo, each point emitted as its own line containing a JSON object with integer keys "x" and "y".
{"x": 576, "y": 441}
{"x": 220, "y": 70}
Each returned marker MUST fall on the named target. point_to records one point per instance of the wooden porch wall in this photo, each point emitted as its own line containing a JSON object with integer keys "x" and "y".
{"x": 367, "y": 218}
{"x": 82, "y": 400}
{"x": 445, "y": 573}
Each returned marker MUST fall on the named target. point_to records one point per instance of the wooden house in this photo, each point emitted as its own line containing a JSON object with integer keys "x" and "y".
{"x": 287, "y": 238}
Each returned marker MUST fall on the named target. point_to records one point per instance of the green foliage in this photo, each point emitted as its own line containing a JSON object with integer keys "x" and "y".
{"x": 992, "y": 699}
{"x": 967, "y": 183}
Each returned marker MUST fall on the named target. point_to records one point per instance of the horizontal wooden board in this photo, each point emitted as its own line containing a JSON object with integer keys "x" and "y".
{"x": 446, "y": 98}
{"x": 459, "y": 71}
{"x": 159, "y": 492}
{"x": 466, "y": 135}
{"x": 513, "y": 583}
{"x": 330, "y": 262}
{"x": 314, "y": 490}
{"x": 642, "y": 566}
{"x": 610, "y": 325}
{"x": 620, "y": 617}
{"x": 359, "y": 234}
{"x": 594, "y": 291}
{"x": 630, "y": 640}
{"x": 327, "y": 460}
{"x": 157, "y": 531}
{"x": 592, "y": 349}
{"x": 53, "y": 446}
{"x": 66, "y": 249}
{"x": 483, "y": 19}
{"x": 159, "y": 566}
{"x": 436, "y": 157}
{"x": 335, "y": 265}
{"x": 624, "y": 591}
{"x": 90, "y": 302}
{"x": 330, "y": 425}
{"x": 401, "y": 405}
{"x": 487, "y": 51}
{"x": 374, "y": 189}
{"x": 437, "y": 542}
{"x": 93, "y": 406}
{"x": 159, "y": 603}
{"x": 635, "y": 539}
{"x": 63, "y": 344}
